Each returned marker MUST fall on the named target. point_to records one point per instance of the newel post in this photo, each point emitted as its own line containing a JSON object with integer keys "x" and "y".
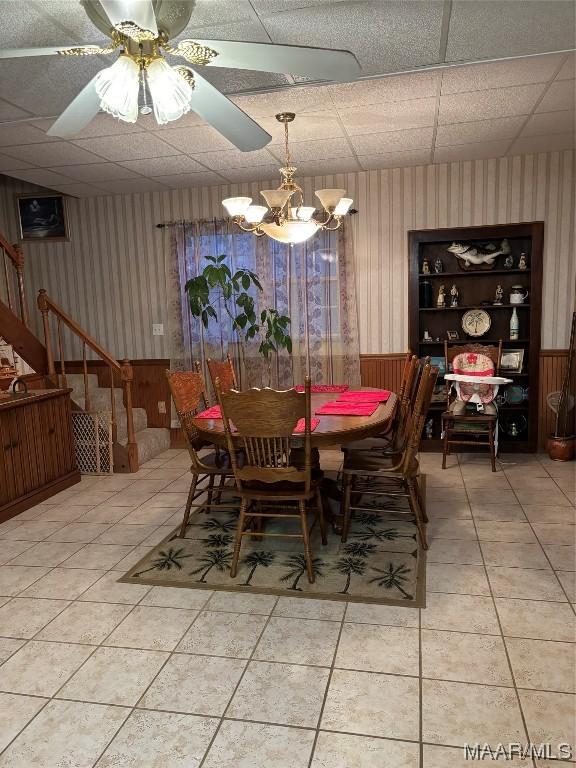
{"x": 127, "y": 375}
{"x": 44, "y": 308}
{"x": 19, "y": 264}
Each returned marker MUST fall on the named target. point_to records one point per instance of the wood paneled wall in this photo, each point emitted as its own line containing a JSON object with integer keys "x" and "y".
{"x": 386, "y": 371}
{"x": 111, "y": 278}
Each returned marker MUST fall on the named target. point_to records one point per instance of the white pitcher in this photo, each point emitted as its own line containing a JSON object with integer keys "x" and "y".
{"x": 518, "y": 296}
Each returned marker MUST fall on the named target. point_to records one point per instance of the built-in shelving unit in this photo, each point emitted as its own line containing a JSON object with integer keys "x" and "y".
{"x": 477, "y": 288}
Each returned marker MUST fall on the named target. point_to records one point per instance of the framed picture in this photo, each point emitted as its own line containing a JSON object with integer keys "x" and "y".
{"x": 512, "y": 360}
{"x": 439, "y": 361}
{"x": 42, "y": 217}
{"x": 452, "y": 335}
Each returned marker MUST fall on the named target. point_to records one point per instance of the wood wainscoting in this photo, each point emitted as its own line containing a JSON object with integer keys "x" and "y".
{"x": 386, "y": 371}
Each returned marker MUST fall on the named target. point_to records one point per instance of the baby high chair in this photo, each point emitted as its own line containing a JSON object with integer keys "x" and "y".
{"x": 474, "y": 381}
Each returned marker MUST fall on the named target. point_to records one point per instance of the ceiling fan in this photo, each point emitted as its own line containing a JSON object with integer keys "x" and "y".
{"x": 141, "y": 31}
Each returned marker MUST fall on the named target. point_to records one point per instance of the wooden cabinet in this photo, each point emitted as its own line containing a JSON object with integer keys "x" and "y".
{"x": 36, "y": 449}
{"x": 476, "y": 286}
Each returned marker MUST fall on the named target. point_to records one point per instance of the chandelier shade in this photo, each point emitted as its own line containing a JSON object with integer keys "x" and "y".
{"x": 287, "y": 219}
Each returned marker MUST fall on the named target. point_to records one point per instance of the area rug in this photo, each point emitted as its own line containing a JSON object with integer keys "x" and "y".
{"x": 380, "y": 563}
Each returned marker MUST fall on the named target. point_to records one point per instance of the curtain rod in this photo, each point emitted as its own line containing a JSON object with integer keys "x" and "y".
{"x": 165, "y": 224}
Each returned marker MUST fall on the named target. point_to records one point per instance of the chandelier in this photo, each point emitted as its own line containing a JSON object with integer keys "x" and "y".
{"x": 287, "y": 219}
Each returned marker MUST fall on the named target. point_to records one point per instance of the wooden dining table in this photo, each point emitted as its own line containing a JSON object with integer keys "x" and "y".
{"x": 331, "y": 432}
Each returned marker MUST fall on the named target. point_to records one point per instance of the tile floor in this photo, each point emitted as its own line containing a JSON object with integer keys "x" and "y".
{"x": 97, "y": 673}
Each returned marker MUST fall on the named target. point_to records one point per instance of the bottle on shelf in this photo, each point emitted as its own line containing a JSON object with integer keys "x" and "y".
{"x": 514, "y": 326}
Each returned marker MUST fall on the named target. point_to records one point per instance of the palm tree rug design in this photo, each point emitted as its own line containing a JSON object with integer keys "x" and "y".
{"x": 381, "y": 562}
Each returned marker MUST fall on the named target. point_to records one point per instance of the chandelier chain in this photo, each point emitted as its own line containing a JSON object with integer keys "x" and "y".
{"x": 286, "y": 146}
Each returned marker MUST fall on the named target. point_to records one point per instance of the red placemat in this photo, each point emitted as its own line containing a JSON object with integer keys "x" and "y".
{"x": 337, "y": 408}
{"x": 301, "y": 426}
{"x": 211, "y": 413}
{"x": 361, "y": 396}
{"x": 318, "y": 388}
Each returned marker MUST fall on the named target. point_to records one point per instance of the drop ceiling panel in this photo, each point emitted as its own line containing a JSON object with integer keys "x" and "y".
{"x": 53, "y": 154}
{"x": 238, "y": 80}
{"x": 480, "y": 130}
{"x": 297, "y": 100}
{"x": 176, "y": 181}
{"x": 308, "y": 125}
{"x": 568, "y": 71}
{"x": 13, "y": 134}
{"x": 313, "y": 150}
{"x": 543, "y": 143}
{"x": 70, "y": 16}
{"x": 10, "y": 112}
{"x": 395, "y": 159}
{"x": 482, "y": 29}
{"x": 385, "y": 37}
{"x": 42, "y": 176}
{"x": 130, "y": 185}
{"x": 97, "y": 172}
{"x": 213, "y": 12}
{"x": 392, "y": 141}
{"x": 500, "y": 74}
{"x": 323, "y": 167}
{"x": 25, "y": 26}
{"x": 478, "y": 151}
{"x": 560, "y": 95}
{"x": 545, "y": 123}
{"x": 394, "y": 116}
{"x": 78, "y": 190}
{"x": 101, "y": 125}
{"x": 127, "y": 147}
{"x": 162, "y": 166}
{"x": 10, "y": 164}
{"x": 401, "y": 88}
{"x": 266, "y": 7}
{"x": 482, "y": 105}
{"x": 257, "y": 173}
{"x": 194, "y": 140}
{"x": 233, "y": 158}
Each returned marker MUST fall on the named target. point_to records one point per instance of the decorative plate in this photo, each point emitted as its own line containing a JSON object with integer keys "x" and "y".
{"x": 514, "y": 394}
{"x": 476, "y": 322}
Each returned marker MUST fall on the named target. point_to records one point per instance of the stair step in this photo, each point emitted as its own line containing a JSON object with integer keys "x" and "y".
{"x": 140, "y": 422}
{"x": 151, "y": 442}
{"x": 76, "y": 382}
{"x": 100, "y": 399}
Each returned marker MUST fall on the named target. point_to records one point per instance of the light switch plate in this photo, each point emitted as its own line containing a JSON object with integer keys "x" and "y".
{"x": 157, "y": 329}
{"x": 161, "y": 406}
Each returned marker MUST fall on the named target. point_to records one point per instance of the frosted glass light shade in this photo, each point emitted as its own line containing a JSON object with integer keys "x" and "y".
{"x": 330, "y": 197}
{"x": 276, "y": 198}
{"x": 118, "y": 87}
{"x": 171, "y": 94}
{"x": 255, "y": 213}
{"x": 305, "y": 212}
{"x": 290, "y": 231}
{"x": 236, "y": 206}
{"x": 343, "y": 206}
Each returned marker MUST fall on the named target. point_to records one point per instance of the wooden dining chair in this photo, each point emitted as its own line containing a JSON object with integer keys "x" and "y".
{"x": 470, "y": 428}
{"x": 223, "y": 370}
{"x": 396, "y": 477}
{"x": 187, "y": 388}
{"x": 271, "y": 483}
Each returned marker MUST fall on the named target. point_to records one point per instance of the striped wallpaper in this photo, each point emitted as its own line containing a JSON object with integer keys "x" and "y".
{"x": 110, "y": 276}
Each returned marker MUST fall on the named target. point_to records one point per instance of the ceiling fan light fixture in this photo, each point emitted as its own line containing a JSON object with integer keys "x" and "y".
{"x": 171, "y": 94}
{"x": 118, "y": 87}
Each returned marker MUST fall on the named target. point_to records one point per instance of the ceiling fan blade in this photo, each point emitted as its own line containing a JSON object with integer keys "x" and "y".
{"x": 287, "y": 59}
{"x": 78, "y": 113}
{"x": 139, "y": 12}
{"x": 16, "y": 53}
{"x": 228, "y": 119}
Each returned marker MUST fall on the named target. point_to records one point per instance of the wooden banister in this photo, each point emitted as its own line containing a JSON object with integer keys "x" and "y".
{"x": 126, "y": 375}
{"x": 14, "y": 255}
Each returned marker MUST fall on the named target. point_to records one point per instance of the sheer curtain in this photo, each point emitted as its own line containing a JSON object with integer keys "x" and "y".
{"x": 312, "y": 283}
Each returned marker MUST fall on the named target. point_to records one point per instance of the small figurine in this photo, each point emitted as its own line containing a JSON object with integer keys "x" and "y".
{"x": 438, "y": 266}
{"x": 522, "y": 262}
{"x": 509, "y": 261}
{"x": 454, "y": 295}
{"x": 427, "y": 336}
{"x": 441, "y": 300}
{"x": 429, "y": 429}
{"x": 425, "y": 267}
{"x": 499, "y": 295}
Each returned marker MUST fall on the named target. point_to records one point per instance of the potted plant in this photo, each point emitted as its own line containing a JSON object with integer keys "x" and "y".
{"x": 216, "y": 291}
{"x": 561, "y": 445}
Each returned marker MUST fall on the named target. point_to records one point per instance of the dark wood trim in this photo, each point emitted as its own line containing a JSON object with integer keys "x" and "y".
{"x": 37, "y": 497}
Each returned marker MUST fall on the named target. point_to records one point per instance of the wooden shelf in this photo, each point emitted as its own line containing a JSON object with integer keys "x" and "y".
{"x": 478, "y": 286}
{"x": 475, "y": 273}
{"x": 475, "y": 306}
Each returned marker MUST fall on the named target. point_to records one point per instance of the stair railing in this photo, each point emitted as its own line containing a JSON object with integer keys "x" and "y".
{"x": 121, "y": 369}
{"x": 12, "y": 257}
